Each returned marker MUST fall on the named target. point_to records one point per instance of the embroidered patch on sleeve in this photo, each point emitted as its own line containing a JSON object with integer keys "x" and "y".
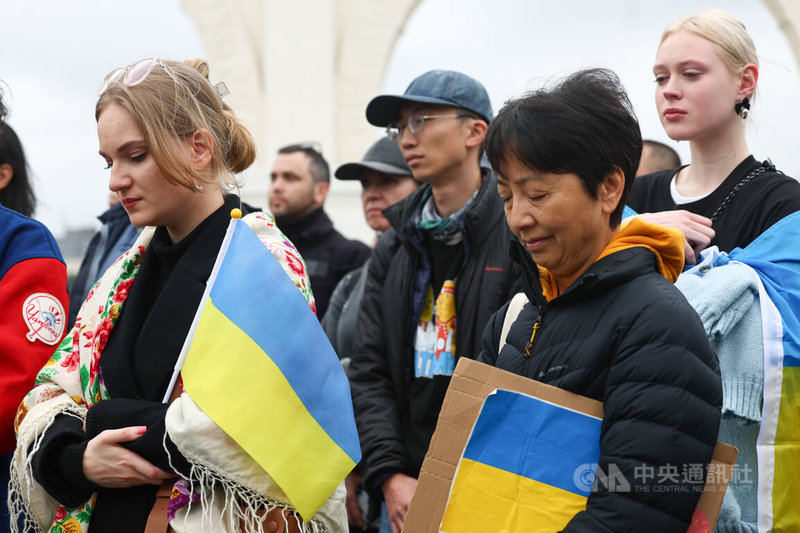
{"x": 44, "y": 316}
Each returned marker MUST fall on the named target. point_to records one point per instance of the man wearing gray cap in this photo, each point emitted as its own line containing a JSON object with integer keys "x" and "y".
{"x": 434, "y": 279}
{"x": 385, "y": 180}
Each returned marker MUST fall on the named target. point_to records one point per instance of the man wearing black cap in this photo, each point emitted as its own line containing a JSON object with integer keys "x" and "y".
{"x": 434, "y": 279}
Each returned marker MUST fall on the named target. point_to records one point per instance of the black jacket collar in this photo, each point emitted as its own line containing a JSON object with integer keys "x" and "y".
{"x": 115, "y": 212}
{"x": 314, "y": 226}
{"x": 479, "y": 220}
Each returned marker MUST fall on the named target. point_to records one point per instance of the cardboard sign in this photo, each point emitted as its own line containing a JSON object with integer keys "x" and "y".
{"x": 528, "y": 465}
{"x": 471, "y": 384}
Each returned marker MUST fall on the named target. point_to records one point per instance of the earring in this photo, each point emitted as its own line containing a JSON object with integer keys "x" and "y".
{"x": 198, "y": 188}
{"x": 743, "y": 108}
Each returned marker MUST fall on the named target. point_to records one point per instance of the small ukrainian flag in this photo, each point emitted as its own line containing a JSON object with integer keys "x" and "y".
{"x": 259, "y": 354}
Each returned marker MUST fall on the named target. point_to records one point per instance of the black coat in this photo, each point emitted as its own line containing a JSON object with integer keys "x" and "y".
{"x": 624, "y": 335}
{"x": 137, "y": 363}
{"x": 382, "y": 365}
{"x": 340, "y": 319}
{"x": 328, "y": 255}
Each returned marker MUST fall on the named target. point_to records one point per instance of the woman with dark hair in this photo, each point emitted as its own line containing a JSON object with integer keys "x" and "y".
{"x": 15, "y": 187}
{"x": 33, "y": 292}
{"x": 597, "y": 294}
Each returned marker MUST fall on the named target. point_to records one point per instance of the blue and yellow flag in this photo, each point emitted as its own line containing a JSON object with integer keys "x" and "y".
{"x": 261, "y": 367}
{"x": 775, "y": 257}
{"x": 528, "y": 466}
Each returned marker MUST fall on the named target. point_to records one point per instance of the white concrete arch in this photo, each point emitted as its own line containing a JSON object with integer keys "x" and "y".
{"x": 787, "y": 14}
{"x": 300, "y": 70}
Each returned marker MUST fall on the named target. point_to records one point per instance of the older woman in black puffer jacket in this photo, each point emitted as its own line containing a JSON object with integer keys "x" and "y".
{"x": 601, "y": 317}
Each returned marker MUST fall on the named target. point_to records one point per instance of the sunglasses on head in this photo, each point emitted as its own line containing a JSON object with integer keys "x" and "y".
{"x": 134, "y": 74}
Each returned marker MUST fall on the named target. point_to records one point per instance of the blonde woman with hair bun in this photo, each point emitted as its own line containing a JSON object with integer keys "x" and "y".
{"x": 95, "y": 441}
{"x": 706, "y": 74}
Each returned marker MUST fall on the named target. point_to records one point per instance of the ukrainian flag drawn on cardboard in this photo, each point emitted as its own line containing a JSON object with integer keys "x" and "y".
{"x": 261, "y": 367}
{"x": 528, "y": 466}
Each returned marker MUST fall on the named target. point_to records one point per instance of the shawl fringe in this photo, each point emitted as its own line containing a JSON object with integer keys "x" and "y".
{"x": 26, "y": 498}
{"x": 241, "y": 509}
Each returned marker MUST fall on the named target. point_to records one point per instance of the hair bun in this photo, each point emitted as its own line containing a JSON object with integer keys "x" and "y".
{"x": 200, "y": 65}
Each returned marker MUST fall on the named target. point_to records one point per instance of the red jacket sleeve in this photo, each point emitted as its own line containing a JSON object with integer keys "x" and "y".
{"x": 33, "y": 320}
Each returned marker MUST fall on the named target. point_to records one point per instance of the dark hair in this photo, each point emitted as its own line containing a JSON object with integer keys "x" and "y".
{"x": 3, "y": 109}
{"x": 18, "y": 194}
{"x": 584, "y": 124}
{"x": 664, "y": 156}
{"x": 465, "y": 114}
{"x": 317, "y": 166}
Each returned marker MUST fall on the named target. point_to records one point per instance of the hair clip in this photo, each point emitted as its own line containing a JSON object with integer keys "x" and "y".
{"x": 222, "y": 90}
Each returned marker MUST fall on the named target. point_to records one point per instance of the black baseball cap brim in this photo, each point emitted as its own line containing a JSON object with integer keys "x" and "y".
{"x": 352, "y": 171}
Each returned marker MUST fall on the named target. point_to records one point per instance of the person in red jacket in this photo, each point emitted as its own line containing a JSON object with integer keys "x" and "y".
{"x": 33, "y": 318}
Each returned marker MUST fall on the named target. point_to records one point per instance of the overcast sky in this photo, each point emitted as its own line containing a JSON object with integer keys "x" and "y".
{"x": 53, "y": 55}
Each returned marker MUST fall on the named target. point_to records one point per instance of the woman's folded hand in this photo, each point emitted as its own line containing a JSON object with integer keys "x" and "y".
{"x": 110, "y": 465}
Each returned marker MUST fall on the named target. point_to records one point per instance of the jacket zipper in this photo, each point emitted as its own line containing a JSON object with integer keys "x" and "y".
{"x": 526, "y": 355}
{"x": 536, "y": 325}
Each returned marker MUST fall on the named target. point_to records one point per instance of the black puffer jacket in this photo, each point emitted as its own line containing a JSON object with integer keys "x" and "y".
{"x": 624, "y": 335}
{"x": 382, "y": 365}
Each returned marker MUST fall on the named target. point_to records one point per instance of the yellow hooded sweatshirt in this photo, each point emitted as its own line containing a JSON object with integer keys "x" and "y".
{"x": 666, "y": 243}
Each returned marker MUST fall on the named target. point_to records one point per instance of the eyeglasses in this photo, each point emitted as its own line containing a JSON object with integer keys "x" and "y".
{"x": 134, "y": 74}
{"x": 416, "y": 123}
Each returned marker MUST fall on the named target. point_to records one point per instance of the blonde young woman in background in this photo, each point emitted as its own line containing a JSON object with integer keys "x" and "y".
{"x": 706, "y": 74}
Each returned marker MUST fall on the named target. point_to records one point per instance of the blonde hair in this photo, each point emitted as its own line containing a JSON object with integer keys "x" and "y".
{"x": 735, "y": 46}
{"x": 169, "y": 107}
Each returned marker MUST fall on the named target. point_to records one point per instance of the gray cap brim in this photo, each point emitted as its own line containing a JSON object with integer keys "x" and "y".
{"x": 385, "y": 109}
{"x": 352, "y": 171}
